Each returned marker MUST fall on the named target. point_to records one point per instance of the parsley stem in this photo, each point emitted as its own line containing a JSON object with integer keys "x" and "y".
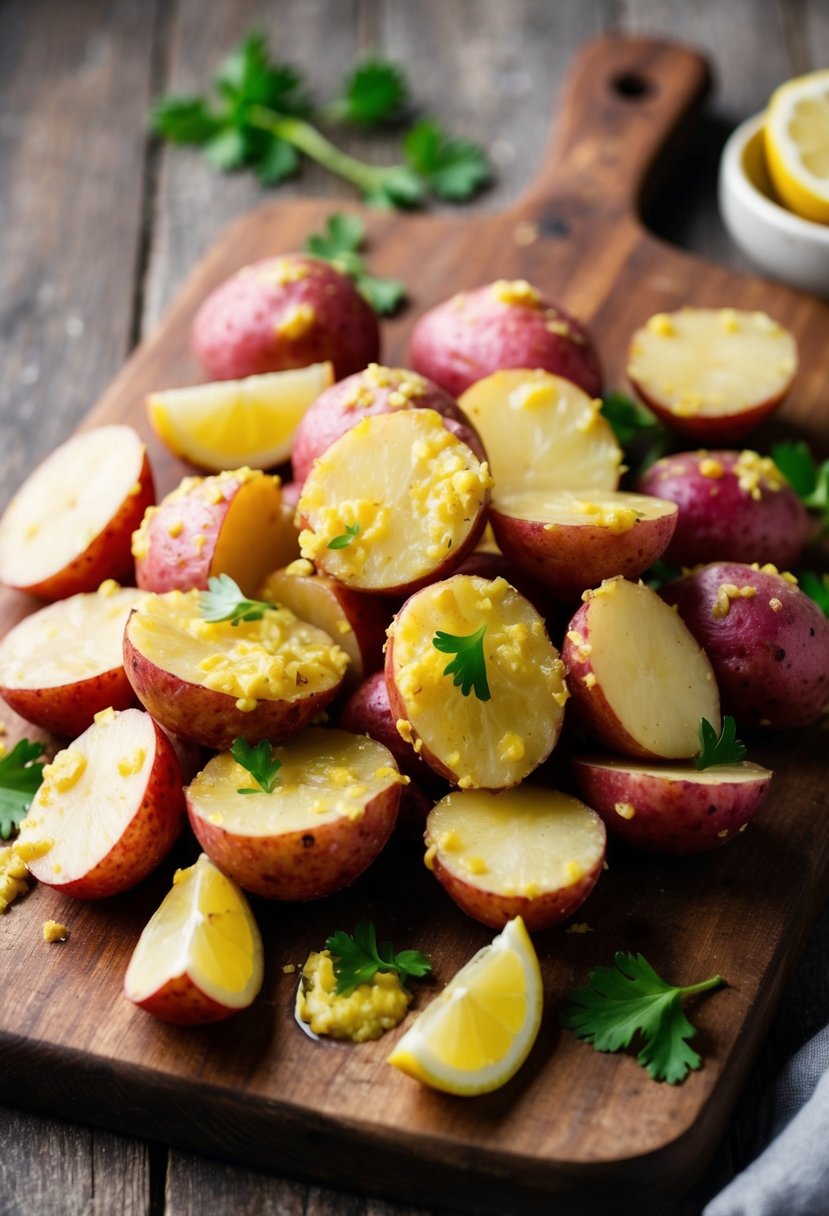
{"x": 367, "y": 178}
{"x": 703, "y": 986}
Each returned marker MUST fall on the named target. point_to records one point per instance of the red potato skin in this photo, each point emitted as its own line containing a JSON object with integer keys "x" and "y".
{"x": 146, "y": 841}
{"x": 590, "y": 705}
{"x": 334, "y": 412}
{"x": 235, "y": 330}
{"x": 493, "y": 909}
{"x": 568, "y": 559}
{"x": 368, "y": 712}
{"x": 182, "y": 1003}
{"x": 719, "y": 521}
{"x": 673, "y": 816}
{"x": 700, "y": 429}
{"x": 301, "y": 865}
{"x": 471, "y": 336}
{"x": 772, "y": 668}
{"x": 69, "y": 709}
{"x": 109, "y": 555}
{"x": 210, "y": 718}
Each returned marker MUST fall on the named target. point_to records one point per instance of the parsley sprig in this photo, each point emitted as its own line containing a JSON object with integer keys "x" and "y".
{"x": 816, "y": 586}
{"x": 340, "y": 245}
{"x": 618, "y": 1003}
{"x": 345, "y": 538}
{"x": 723, "y": 749}
{"x": 469, "y": 665}
{"x": 808, "y": 479}
{"x": 357, "y": 959}
{"x": 641, "y": 435}
{"x": 20, "y": 778}
{"x": 260, "y": 116}
{"x": 260, "y": 764}
{"x": 224, "y": 601}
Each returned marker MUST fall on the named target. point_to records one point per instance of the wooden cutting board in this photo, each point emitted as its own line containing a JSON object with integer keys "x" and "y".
{"x": 584, "y": 1129}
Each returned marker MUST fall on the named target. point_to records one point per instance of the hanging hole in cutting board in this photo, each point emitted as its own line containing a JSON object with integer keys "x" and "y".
{"x": 631, "y": 86}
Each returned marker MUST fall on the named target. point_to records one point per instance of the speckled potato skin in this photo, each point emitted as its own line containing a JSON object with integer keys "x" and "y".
{"x": 235, "y": 330}
{"x": 182, "y": 1003}
{"x": 712, "y": 431}
{"x": 144, "y": 843}
{"x": 772, "y": 667}
{"x": 719, "y": 521}
{"x": 566, "y": 559}
{"x": 301, "y": 865}
{"x": 673, "y": 816}
{"x": 494, "y": 909}
{"x": 109, "y": 555}
{"x": 455, "y": 344}
{"x": 68, "y": 709}
{"x": 333, "y": 413}
{"x": 210, "y": 718}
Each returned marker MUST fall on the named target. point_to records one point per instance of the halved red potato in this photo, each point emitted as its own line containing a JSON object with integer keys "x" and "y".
{"x": 108, "y": 811}
{"x": 506, "y": 324}
{"x": 528, "y": 852}
{"x": 356, "y": 621}
{"x": 64, "y": 663}
{"x": 395, "y": 503}
{"x": 212, "y": 681}
{"x": 768, "y": 642}
{"x": 332, "y": 810}
{"x": 284, "y": 312}
{"x": 640, "y": 681}
{"x": 542, "y": 433}
{"x": 70, "y": 524}
{"x": 733, "y": 506}
{"x": 375, "y": 390}
{"x": 368, "y": 712}
{"x": 672, "y": 808}
{"x": 233, "y": 523}
{"x": 199, "y": 958}
{"x": 570, "y": 540}
{"x": 712, "y": 374}
{"x": 473, "y": 739}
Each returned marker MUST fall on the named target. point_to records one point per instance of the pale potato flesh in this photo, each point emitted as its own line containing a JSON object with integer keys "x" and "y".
{"x": 414, "y": 492}
{"x": 326, "y": 775}
{"x": 615, "y": 510}
{"x": 525, "y": 841}
{"x": 541, "y": 432}
{"x": 720, "y": 774}
{"x": 313, "y": 599}
{"x": 68, "y": 641}
{"x": 710, "y": 362}
{"x": 655, "y": 676}
{"x": 67, "y": 502}
{"x": 486, "y": 744}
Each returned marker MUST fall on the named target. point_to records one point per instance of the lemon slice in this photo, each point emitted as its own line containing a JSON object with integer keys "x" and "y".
{"x": 479, "y": 1031}
{"x": 199, "y": 958}
{"x": 797, "y": 145}
{"x": 232, "y": 423}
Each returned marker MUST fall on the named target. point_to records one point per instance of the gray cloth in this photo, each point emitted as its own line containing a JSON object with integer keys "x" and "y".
{"x": 791, "y": 1177}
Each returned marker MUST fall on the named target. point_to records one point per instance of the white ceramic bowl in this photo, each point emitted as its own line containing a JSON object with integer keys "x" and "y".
{"x": 781, "y": 244}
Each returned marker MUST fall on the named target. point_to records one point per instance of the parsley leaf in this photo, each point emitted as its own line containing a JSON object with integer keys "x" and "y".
{"x": 640, "y": 433}
{"x": 376, "y": 91}
{"x": 808, "y": 479}
{"x": 343, "y": 236}
{"x": 357, "y": 959}
{"x": 618, "y": 1003}
{"x": 469, "y": 667}
{"x": 660, "y": 573}
{"x": 20, "y": 779}
{"x": 816, "y": 586}
{"x": 260, "y": 764}
{"x": 184, "y": 120}
{"x": 345, "y": 538}
{"x": 727, "y": 749}
{"x": 453, "y": 169}
{"x": 223, "y": 601}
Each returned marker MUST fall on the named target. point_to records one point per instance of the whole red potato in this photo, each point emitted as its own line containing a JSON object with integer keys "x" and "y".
{"x": 285, "y": 312}
{"x": 507, "y": 324}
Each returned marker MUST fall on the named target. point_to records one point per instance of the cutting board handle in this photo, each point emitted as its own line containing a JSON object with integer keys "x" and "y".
{"x": 623, "y": 101}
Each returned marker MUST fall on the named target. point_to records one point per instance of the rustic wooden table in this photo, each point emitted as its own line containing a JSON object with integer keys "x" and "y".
{"x": 98, "y": 226}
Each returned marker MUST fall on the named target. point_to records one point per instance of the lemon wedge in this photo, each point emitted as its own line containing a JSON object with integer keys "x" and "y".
{"x": 797, "y": 145}
{"x": 200, "y": 956}
{"x": 234, "y": 423}
{"x": 479, "y": 1031}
